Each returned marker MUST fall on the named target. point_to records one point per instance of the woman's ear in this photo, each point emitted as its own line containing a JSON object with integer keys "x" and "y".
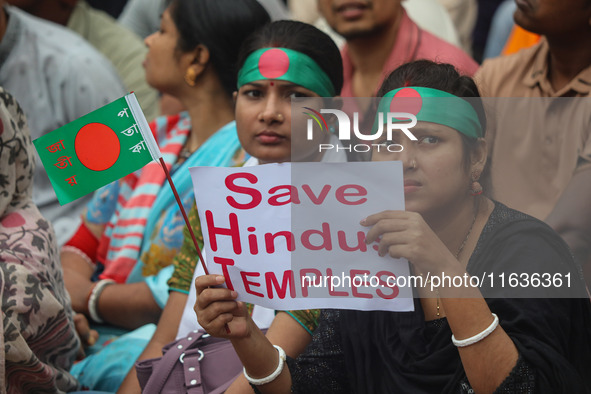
{"x": 479, "y": 155}
{"x": 198, "y": 58}
{"x": 201, "y": 58}
{"x": 202, "y": 54}
{"x": 235, "y": 96}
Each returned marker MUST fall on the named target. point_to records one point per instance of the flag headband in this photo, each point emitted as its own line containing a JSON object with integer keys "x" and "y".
{"x": 432, "y": 105}
{"x": 286, "y": 65}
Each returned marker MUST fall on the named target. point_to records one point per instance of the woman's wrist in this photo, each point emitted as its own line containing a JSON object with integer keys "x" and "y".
{"x": 256, "y": 352}
{"x": 93, "y": 298}
{"x": 84, "y": 307}
{"x": 478, "y": 336}
{"x": 273, "y": 375}
{"x": 252, "y": 334}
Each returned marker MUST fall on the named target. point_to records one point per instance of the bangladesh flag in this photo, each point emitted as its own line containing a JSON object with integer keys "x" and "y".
{"x": 97, "y": 149}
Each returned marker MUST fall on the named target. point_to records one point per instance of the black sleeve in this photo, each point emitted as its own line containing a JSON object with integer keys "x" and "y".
{"x": 521, "y": 380}
{"x": 321, "y": 368}
{"x": 551, "y": 332}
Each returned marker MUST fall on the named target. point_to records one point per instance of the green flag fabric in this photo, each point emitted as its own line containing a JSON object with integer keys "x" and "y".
{"x": 97, "y": 149}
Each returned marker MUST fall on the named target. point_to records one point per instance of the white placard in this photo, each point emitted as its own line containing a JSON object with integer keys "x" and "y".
{"x": 288, "y": 236}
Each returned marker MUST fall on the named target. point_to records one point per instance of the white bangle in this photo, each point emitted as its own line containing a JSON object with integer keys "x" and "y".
{"x": 93, "y": 299}
{"x": 478, "y": 337}
{"x": 273, "y": 376}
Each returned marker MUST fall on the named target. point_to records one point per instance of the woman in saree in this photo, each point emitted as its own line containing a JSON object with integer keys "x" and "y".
{"x": 132, "y": 229}
{"x": 263, "y": 121}
{"x": 458, "y": 339}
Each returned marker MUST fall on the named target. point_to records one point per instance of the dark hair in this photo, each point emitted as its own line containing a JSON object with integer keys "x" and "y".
{"x": 440, "y": 76}
{"x": 220, "y": 25}
{"x": 300, "y": 37}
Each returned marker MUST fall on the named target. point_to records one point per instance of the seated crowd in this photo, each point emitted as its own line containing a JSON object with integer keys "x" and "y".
{"x": 496, "y": 181}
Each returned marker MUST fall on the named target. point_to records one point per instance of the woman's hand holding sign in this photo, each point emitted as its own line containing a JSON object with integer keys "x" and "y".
{"x": 217, "y": 309}
{"x": 403, "y": 234}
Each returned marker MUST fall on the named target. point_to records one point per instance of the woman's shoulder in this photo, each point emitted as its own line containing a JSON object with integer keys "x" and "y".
{"x": 164, "y": 125}
{"x": 505, "y": 221}
{"x": 516, "y": 245}
{"x": 170, "y": 119}
{"x": 508, "y": 227}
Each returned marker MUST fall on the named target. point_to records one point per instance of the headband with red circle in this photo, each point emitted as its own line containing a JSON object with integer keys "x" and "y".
{"x": 286, "y": 65}
{"x": 432, "y": 105}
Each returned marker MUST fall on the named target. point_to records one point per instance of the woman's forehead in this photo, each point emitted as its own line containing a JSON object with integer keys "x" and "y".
{"x": 273, "y": 82}
{"x": 280, "y": 85}
{"x": 423, "y": 127}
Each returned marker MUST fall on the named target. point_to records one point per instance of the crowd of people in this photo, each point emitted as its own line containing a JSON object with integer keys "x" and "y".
{"x": 496, "y": 181}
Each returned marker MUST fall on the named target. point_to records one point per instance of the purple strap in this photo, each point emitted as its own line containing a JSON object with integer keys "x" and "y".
{"x": 168, "y": 362}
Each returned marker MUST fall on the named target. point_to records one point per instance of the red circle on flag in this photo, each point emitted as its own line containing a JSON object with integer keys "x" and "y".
{"x": 407, "y": 100}
{"x": 273, "y": 63}
{"x": 97, "y": 146}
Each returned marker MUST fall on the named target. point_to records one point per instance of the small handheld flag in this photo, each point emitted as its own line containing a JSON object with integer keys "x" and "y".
{"x": 97, "y": 149}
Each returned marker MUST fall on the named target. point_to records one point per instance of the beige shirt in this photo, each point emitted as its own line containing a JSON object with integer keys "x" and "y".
{"x": 538, "y": 138}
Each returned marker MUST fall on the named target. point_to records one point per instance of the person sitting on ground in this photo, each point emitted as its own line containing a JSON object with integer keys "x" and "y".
{"x": 133, "y": 228}
{"x": 263, "y": 105}
{"x": 39, "y": 341}
{"x": 457, "y": 339}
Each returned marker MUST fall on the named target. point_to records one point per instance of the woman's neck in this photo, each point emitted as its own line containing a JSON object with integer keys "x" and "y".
{"x": 458, "y": 223}
{"x": 209, "y": 110}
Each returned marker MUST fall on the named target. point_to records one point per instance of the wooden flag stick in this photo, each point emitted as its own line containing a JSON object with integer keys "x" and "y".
{"x": 180, "y": 204}
{"x": 156, "y": 155}
{"x": 178, "y": 201}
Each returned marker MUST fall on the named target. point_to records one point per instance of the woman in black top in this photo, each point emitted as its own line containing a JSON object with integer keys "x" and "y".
{"x": 519, "y": 335}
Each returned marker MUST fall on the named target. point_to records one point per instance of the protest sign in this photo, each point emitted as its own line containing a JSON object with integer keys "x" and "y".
{"x": 288, "y": 236}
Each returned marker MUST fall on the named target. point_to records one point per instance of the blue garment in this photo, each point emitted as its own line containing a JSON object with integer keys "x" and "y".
{"x": 217, "y": 151}
{"x": 106, "y": 369}
{"x": 500, "y": 29}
